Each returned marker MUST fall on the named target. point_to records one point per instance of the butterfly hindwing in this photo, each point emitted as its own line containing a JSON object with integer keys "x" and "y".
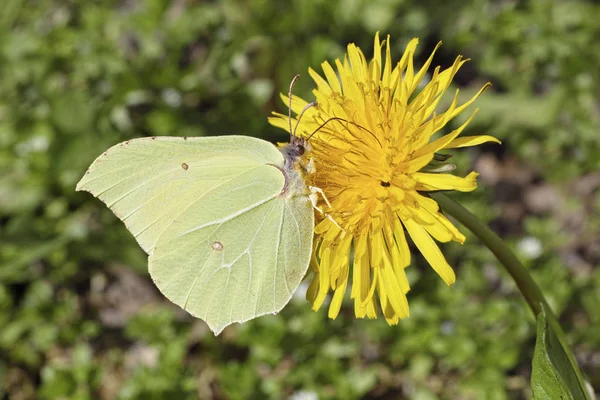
{"x": 237, "y": 267}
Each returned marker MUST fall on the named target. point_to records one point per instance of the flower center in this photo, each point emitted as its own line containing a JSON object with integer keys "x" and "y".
{"x": 362, "y": 187}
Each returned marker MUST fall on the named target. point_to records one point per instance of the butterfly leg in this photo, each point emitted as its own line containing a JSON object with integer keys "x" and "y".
{"x": 310, "y": 167}
{"x": 315, "y": 192}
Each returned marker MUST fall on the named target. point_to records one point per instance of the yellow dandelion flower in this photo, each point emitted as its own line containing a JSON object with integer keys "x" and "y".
{"x": 373, "y": 152}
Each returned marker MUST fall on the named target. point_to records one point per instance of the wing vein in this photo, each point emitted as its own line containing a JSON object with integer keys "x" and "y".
{"x": 230, "y": 216}
{"x": 210, "y": 190}
{"x": 277, "y": 259}
{"x": 232, "y": 264}
{"x": 187, "y": 297}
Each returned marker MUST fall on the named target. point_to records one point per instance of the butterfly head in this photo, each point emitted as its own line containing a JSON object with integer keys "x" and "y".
{"x": 295, "y": 149}
{"x": 297, "y": 146}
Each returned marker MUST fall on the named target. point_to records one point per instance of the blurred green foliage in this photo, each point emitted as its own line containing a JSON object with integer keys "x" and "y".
{"x": 79, "y": 317}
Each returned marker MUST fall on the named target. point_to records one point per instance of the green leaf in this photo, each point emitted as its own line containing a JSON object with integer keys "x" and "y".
{"x": 553, "y": 376}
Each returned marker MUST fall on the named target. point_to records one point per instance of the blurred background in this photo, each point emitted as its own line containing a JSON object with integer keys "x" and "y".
{"x": 79, "y": 315}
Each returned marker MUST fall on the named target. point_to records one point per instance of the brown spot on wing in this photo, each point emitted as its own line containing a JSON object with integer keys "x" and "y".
{"x": 184, "y": 166}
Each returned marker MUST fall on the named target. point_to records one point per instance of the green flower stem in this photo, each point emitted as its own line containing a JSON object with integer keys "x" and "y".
{"x": 530, "y": 290}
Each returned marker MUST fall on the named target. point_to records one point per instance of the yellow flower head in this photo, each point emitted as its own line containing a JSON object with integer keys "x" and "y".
{"x": 371, "y": 150}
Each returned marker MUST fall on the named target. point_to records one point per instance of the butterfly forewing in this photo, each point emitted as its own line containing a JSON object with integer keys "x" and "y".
{"x": 148, "y": 182}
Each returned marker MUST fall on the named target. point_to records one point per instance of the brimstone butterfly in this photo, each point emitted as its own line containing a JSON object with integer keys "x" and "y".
{"x": 227, "y": 221}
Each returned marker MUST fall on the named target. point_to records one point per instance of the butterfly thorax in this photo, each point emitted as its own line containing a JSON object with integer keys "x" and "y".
{"x": 297, "y": 166}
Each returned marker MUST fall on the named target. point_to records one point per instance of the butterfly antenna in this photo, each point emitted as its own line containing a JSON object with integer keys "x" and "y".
{"x": 306, "y": 107}
{"x": 290, "y": 104}
{"x": 343, "y": 120}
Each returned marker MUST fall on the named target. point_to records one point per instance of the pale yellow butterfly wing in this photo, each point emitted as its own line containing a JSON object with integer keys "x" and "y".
{"x": 224, "y": 243}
